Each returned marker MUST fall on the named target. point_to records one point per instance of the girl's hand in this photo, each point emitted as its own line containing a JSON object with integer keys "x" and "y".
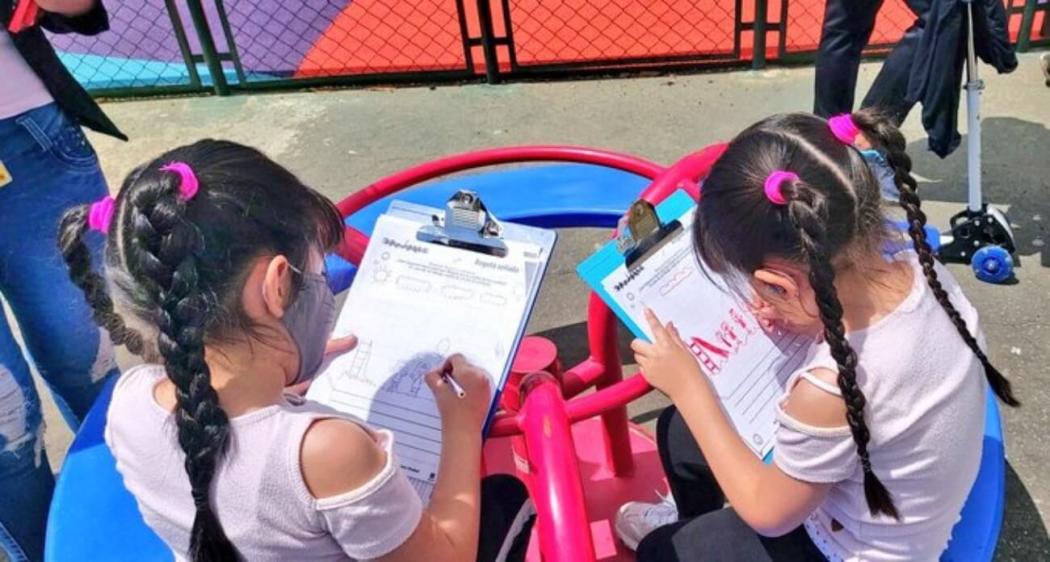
{"x": 335, "y": 346}
{"x": 469, "y": 412}
{"x": 667, "y": 363}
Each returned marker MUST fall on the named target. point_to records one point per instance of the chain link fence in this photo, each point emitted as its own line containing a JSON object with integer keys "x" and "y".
{"x": 159, "y": 46}
{"x": 326, "y": 38}
{"x": 146, "y": 49}
{"x": 620, "y": 32}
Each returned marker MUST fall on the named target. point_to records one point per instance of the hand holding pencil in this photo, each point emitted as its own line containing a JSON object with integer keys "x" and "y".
{"x": 462, "y": 392}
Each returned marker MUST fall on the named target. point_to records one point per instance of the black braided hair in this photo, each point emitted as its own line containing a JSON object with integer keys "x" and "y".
{"x": 71, "y": 231}
{"x": 163, "y": 247}
{"x": 833, "y": 212}
{"x": 179, "y": 266}
{"x": 883, "y": 134}
{"x": 809, "y": 213}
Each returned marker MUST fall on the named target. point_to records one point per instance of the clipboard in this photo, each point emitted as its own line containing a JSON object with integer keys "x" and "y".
{"x": 640, "y": 234}
{"x": 432, "y": 282}
{"x": 652, "y": 264}
{"x": 24, "y": 15}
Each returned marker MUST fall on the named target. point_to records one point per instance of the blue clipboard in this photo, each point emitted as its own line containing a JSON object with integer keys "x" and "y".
{"x": 616, "y": 254}
{"x": 611, "y": 256}
{"x": 466, "y": 224}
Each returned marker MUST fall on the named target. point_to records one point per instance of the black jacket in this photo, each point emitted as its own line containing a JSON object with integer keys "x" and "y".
{"x": 937, "y": 72}
{"x": 41, "y": 57}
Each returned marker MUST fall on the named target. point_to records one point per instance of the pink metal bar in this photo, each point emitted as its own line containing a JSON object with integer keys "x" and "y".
{"x": 581, "y": 377}
{"x": 492, "y": 157}
{"x": 603, "y": 342}
{"x": 354, "y": 241}
{"x": 590, "y": 405}
{"x": 685, "y": 173}
{"x": 561, "y": 512}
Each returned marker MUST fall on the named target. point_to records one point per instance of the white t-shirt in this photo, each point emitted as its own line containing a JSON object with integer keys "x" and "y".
{"x": 258, "y": 491}
{"x": 20, "y": 89}
{"x": 926, "y": 403}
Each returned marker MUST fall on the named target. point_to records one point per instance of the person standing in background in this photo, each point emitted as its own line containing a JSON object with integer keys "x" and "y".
{"x": 46, "y": 166}
{"x": 847, "y": 28}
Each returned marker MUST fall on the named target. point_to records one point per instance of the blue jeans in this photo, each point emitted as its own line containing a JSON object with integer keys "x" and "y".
{"x": 52, "y": 167}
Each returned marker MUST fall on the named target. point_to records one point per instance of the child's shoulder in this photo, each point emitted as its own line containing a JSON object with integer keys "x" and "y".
{"x": 136, "y": 382}
{"x": 339, "y": 455}
{"x": 814, "y": 399}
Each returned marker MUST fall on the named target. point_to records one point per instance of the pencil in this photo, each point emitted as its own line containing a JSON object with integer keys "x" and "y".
{"x": 447, "y": 377}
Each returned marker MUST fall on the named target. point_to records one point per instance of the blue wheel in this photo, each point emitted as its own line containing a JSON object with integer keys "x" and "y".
{"x": 992, "y": 264}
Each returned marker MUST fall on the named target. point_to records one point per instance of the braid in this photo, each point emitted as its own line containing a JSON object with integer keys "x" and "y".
{"x": 890, "y": 139}
{"x": 163, "y": 249}
{"x": 808, "y": 214}
{"x": 78, "y": 259}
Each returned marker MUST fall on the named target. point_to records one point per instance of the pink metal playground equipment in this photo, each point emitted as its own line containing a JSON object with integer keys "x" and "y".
{"x": 551, "y": 425}
{"x": 564, "y": 432}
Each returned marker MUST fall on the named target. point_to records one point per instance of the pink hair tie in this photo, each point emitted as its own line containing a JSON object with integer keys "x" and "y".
{"x": 188, "y": 185}
{"x": 844, "y": 129}
{"x": 100, "y": 214}
{"x": 774, "y": 186}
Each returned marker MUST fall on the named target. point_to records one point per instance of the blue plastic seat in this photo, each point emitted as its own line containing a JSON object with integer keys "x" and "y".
{"x": 94, "y": 517}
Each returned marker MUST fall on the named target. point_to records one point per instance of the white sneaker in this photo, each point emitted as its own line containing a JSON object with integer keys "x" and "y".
{"x": 635, "y": 520}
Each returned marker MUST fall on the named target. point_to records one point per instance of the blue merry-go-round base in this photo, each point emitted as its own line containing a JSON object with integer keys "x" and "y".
{"x": 94, "y": 517}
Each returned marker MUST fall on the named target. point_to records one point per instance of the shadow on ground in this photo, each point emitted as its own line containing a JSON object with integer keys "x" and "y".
{"x": 1024, "y": 537}
{"x": 1016, "y": 175}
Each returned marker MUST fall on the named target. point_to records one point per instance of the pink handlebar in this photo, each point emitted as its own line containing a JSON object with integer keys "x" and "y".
{"x": 562, "y": 521}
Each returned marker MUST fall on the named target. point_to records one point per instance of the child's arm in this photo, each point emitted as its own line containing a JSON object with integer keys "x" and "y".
{"x": 769, "y": 500}
{"x": 448, "y": 531}
{"x": 339, "y": 456}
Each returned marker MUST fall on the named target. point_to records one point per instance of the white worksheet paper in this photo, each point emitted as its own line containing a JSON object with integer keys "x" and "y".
{"x": 412, "y": 304}
{"x": 748, "y": 366}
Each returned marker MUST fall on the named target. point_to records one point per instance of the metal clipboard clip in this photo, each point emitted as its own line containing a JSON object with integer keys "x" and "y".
{"x": 640, "y": 233}
{"x": 467, "y": 224}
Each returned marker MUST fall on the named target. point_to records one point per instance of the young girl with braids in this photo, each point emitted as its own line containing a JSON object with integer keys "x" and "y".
{"x": 214, "y": 257}
{"x": 880, "y": 432}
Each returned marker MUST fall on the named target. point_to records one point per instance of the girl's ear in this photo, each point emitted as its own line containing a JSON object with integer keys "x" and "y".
{"x": 277, "y": 285}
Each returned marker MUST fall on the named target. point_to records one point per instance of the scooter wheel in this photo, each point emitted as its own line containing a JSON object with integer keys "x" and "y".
{"x": 992, "y": 264}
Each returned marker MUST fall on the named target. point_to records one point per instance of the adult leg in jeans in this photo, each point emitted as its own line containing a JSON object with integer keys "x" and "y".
{"x": 707, "y": 530}
{"x": 847, "y": 27}
{"x": 889, "y": 91}
{"x": 507, "y": 515}
{"x": 53, "y": 168}
{"x": 25, "y": 474}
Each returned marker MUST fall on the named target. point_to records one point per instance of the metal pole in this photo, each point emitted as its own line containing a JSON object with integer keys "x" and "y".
{"x": 488, "y": 42}
{"x": 758, "y": 62}
{"x": 974, "y": 85}
{"x": 1025, "y": 36}
{"x": 208, "y": 51}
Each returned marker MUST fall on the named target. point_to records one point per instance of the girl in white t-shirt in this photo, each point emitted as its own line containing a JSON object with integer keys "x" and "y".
{"x": 214, "y": 257}
{"x": 880, "y": 431}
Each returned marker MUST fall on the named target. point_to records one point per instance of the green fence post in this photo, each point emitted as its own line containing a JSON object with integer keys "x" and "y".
{"x": 758, "y": 62}
{"x": 208, "y": 51}
{"x": 488, "y": 42}
{"x": 1025, "y": 35}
